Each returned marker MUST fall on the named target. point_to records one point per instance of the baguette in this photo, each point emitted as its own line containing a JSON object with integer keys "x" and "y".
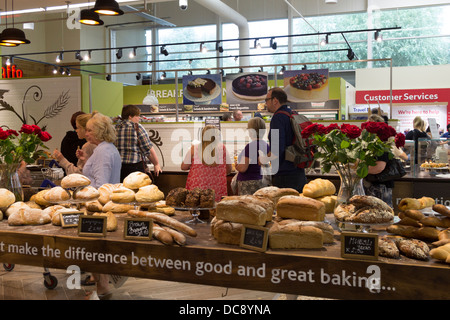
{"x": 165, "y": 220}
{"x": 178, "y": 237}
{"x": 440, "y": 208}
{"x": 162, "y": 235}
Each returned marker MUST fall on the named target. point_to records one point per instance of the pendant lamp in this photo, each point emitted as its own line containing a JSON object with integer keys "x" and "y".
{"x": 12, "y": 37}
{"x": 90, "y": 18}
{"x": 107, "y": 7}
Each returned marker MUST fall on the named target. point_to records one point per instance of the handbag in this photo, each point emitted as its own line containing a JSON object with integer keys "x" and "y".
{"x": 394, "y": 170}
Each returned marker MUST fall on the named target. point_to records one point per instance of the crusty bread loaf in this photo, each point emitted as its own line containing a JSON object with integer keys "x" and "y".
{"x": 136, "y": 180}
{"x": 56, "y": 194}
{"x": 300, "y": 208}
{"x": 237, "y": 210}
{"x": 165, "y": 220}
{"x": 7, "y": 198}
{"x": 111, "y": 220}
{"x": 422, "y": 233}
{"x": 117, "y": 207}
{"x": 226, "y": 232}
{"x": 295, "y": 236}
{"x": 327, "y": 229}
{"x": 105, "y": 191}
{"x": 94, "y": 206}
{"x": 436, "y": 222}
{"x": 39, "y": 198}
{"x": 122, "y": 195}
{"x": 329, "y": 202}
{"x": 149, "y": 193}
{"x": 15, "y": 208}
{"x": 388, "y": 248}
{"x": 75, "y": 180}
{"x": 28, "y": 216}
{"x": 274, "y": 193}
{"x": 88, "y": 193}
{"x": 319, "y": 188}
{"x": 266, "y": 203}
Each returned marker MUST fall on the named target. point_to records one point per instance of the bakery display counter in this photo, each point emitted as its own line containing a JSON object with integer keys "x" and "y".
{"x": 319, "y": 272}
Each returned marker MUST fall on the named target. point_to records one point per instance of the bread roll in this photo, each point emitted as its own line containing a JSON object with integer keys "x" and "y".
{"x": 117, "y": 207}
{"x": 426, "y": 202}
{"x": 329, "y": 202}
{"x": 28, "y": 216}
{"x": 75, "y": 180}
{"x": 149, "y": 193}
{"x": 55, "y": 214}
{"x": 408, "y": 204}
{"x": 226, "y": 232}
{"x": 275, "y": 193}
{"x": 7, "y": 198}
{"x": 237, "y": 210}
{"x": 295, "y": 236}
{"x": 39, "y": 198}
{"x": 94, "y": 206}
{"x": 136, "y": 180}
{"x": 436, "y": 222}
{"x": 414, "y": 214}
{"x": 122, "y": 195}
{"x": 300, "y": 208}
{"x": 88, "y": 193}
{"x": 319, "y": 188}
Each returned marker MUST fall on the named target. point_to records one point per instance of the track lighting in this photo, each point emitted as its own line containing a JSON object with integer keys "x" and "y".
{"x": 133, "y": 53}
{"x": 62, "y": 71}
{"x": 87, "y": 56}
{"x": 164, "y": 51}
{"x": 378, "y": 37}
{"x": 59, "y": 57}
{"x": 10, "y": 61}
{"x": 108, "y": 77}
{"x": 350, "y": 54}
{"x": 138, "y": 76}
{"x": 55, "y": 70}
{"x": 107, "y": 7}
{"x": 257, "y": 45}
{"x": 68, "y": 72}
{"x": 283, "y": 69}
{"x": 304, "y": 67}
{"x": 273, "y": 44}
{"x": 163, "y": 75}
{"x": 208, "y": 71}
{"x": 261, "y": 69}
{"x": 219, "y": 47}
{"x": 119, "y": 54}
{"x": 203, "y": 49}
{"x": 324, "y": 41}
{"x": 78, "y": 56}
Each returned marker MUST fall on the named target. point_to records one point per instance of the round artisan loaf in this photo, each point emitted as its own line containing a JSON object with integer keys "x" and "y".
{"x": 39, "y": 198}
{"x": 149, "y": 193}
{"x": 319, "y": 188}
{"x": 301, "y": 208}
{"x": 7, "y": 198}
{"x": 136, "y": 180}
{"x": 56, "y": 194}
{"x": 15, "y": 208}
{"x": 75, "y": 180}
{"x": 105, "y": 191}
{"x": 88, "y": 193}
{"x": 122, "y": 195}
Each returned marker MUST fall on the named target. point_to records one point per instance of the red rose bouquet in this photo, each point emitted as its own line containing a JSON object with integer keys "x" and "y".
{"x": 27, "y": 145}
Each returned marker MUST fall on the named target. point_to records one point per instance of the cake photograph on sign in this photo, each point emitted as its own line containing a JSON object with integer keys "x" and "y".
{"x": 306, "y": 85}
{"x": 246, "y": 87}
{"x": 201, "y": 89}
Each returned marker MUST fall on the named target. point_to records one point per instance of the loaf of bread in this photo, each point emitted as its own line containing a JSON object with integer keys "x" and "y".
{"x": 300, "y": 208}
{"x": 94, "y": 206}
{"x": 329, "y": 202}
{"x": 274, "y": 193}
{"x": 105, "y": 192}
{"x": 237, "y": 210}
{"x": 327, "y": 229}
{"x": 15, "y": 208}
{"x": 122, "y": 195}
{"x": 178, "y": 237}
{"x": 111, "y": 220}
{"x": 444, "y": 238}
{"x": 319, "y": 188}
{"x": 136, "y": 180}
{"x": 88, "y": 193}
{"x": 75, "y": 180}
{"x": 57, "y": 194}
{"x": 176, "y": 197}
{"x": 387, "y": 248}
{"x": 436, "y": 222}
{"x": 7, "y": 198}
{"x": 117, "y": 207}
{"x": 39, "y": 198}
{"x": 441, "y": 209}
{"x": 441, "y": 253}
{"x": 149, "y": 193}
{"x": 28, "y": 216}
{"x": 226, "y": 232}
{"x": 295, "y": 236}
{"x": 426, "y": 202}
{"x": 409, "y": 204}
{"x": 267, "y": 204}
{"x": 364, "y": 209}
{"x": 413, "y": 248}
{"x": 422, "y": 233}
{"x": 55, "y": 214}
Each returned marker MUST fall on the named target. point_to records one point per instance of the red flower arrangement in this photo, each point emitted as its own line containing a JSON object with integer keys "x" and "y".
{"x": 27, "y": 149}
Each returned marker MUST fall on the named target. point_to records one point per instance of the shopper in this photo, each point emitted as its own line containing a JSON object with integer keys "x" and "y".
{"x": 417, "y": 133}
{"x": 285, "y": 174}
{"x": 381, "y": 190}
{"x": 447, "y": 134}
{"x": 134, "y": 144}
{"x": 102, "y": 167}
{"x": 249, "y": 162}
{"x": 72, "y": 141}
{"x": 227, "y": 117}
{"x": 237, "y": 115}
{"x": 87, "y": 148}
{"x": 208, "y": 163}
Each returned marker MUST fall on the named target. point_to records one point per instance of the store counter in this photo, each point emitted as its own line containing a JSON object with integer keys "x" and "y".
{"x": 320, "y": 273}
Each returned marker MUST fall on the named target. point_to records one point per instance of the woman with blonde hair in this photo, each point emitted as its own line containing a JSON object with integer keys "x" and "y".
{"x": 249, "y": 164}
{"x": 208, "y": 163}
{"x": 87, "y": 148}
{"x": 417, "y": 133}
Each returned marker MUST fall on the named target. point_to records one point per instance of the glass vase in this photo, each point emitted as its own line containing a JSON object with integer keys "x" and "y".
{"x": 9, "y": 179}
{"x": 351, "y": 184}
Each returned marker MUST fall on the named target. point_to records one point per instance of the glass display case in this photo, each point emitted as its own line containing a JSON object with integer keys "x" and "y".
{"x": 433, "y": 155}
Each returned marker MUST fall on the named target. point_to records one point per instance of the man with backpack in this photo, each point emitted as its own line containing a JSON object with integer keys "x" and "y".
{"x": 286, "y": 174}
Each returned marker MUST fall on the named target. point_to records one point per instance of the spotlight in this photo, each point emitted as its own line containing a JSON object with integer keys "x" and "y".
{"x": 257, "y": 45}
{"x": 324, "y": 41}
{"x": 138, "y": 76}
{"x": 208, "y": 72}
{"x": 55, "y": 70}
{"x": 283, "y": 69}
{"x": 78, "y": 56}
{"x": 378, "y": 37}
{"x": 273, "y": 44}
{"x": 108, "y": 77}
{"x": 59, "y": 57}
{"x": 119, "y": 54}
{"x": 133, "y": 53}
{"x": 219, "y": 47}
{"x": 261, "y": 69}
{"x": 304, "y": 67}
{"x": 9, "y": 61}
{"x": 87, "y": 56}
{"x": 203, "y": 49}
{"x": 190, "y": 72}
{"x": 62, "y": 71}
{"x": 222, "y": 72}
{"x": 164, "y": 51}
{"x": 68, "y": 72}
{"x": 350, "y": 54}
{"x": 163, "y": 75}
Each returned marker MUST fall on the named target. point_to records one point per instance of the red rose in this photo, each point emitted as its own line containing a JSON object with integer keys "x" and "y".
{"x": 350, "y": 130}
{"x": 331, "y": 127}
{"x": 313, "y": 128}
{"x": 44, "y": 136}
{"x": 36, "y": 129}
{"x": 400, "y": 140}
{"x": 12, "y": 132}
{"x": 3, "y": 134}
{"x": 26, "y": 128}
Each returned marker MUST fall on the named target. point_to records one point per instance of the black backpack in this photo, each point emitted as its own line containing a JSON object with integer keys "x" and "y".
{"x": 301, "y": 152}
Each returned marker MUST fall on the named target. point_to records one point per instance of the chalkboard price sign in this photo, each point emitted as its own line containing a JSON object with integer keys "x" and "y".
{"x": 359, "y": 245}
{"x": 92, "y": 226}
{"x": 70, "y": 218}
{"x": 254, "y": 237}
{"x": 138, "y": 229}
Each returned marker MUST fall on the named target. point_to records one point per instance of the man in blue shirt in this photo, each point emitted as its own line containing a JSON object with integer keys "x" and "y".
{"x": 281, "y": 135}
{"x": 447, "y": 134}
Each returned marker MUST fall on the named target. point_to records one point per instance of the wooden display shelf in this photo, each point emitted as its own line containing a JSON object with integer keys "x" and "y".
{"x": 319, "y": 273}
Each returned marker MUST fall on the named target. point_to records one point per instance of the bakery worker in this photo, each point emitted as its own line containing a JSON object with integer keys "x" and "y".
{"x": 237, "y": 115}
{"x": 284, "y": 173}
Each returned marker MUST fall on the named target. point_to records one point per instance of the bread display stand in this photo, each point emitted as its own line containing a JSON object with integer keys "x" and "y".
{"x": 195, "y": 213}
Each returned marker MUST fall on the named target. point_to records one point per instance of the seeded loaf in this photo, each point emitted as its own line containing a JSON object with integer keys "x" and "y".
{"x": 301, "y": 208}
{"x": 238, "y": 210}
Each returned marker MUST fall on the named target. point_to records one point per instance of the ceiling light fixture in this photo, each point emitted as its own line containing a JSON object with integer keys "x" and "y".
{"x": 203, "y": 49}
{"x": 87, "y": 56}
{"x": 164, "y": 51}
{"x": 350, "y": 54}
{"x": 138, "y": 76}
{"x": 283, "y": 69}
{"x": 273, "y": 43}
{"x": 257, "y": 44}
{"x": 324, "y": 41}
{"x": 90, "y": 18}
{"x": 59, "y": 57}
{"x": 119, "y": 54}
{"x": 13, "y": 35}
{"x": 78, "y": 56}
{"x": 163, "y": 75}
{"x": 219, "y": 47}
{"x": 133, "y": 53}
{"x": 378, "y": 37}
{"x": 108, "y": 8}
